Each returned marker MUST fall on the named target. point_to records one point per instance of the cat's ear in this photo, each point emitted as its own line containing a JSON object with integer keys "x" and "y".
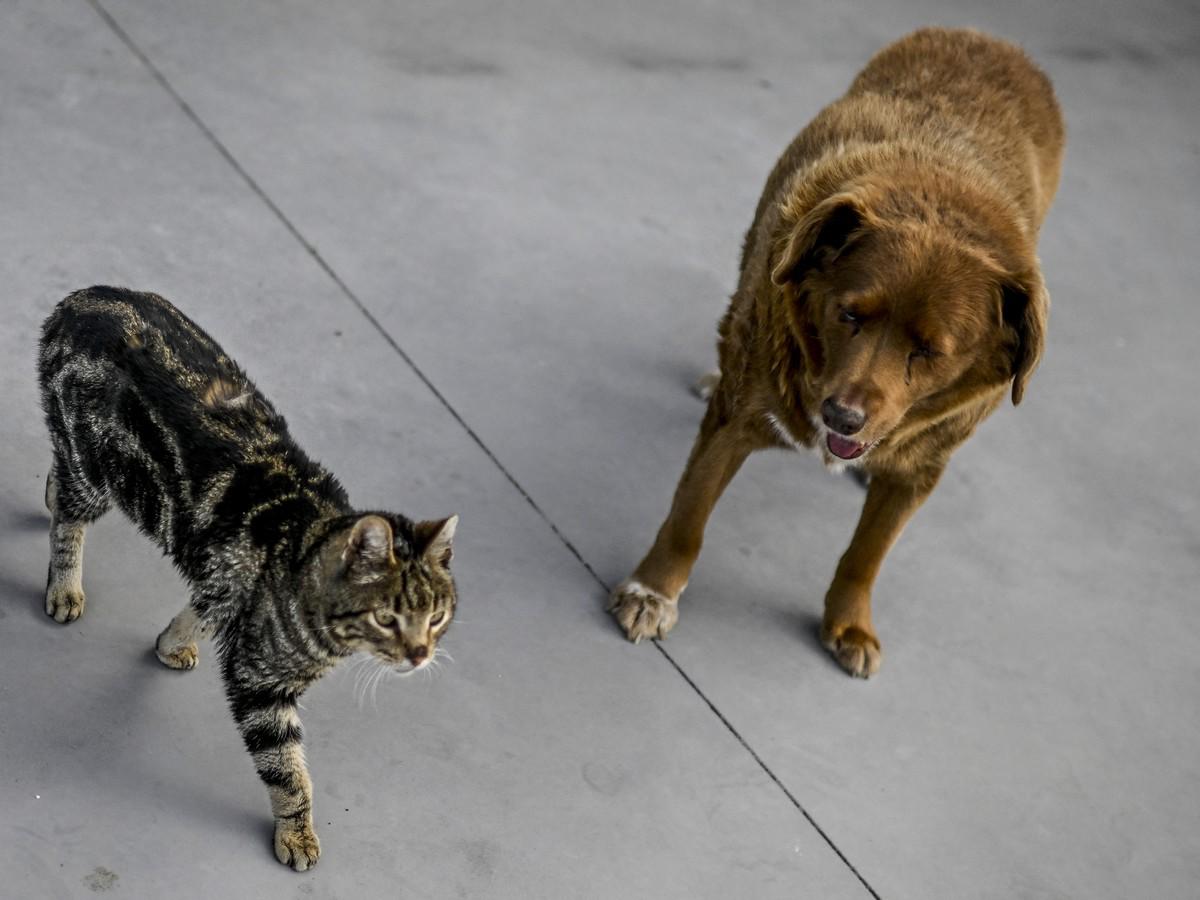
{"x": 435, "y": 540}
{"x": 368, "y": 553}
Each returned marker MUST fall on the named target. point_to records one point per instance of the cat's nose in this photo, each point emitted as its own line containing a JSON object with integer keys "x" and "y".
{"x": 417, "y": 654}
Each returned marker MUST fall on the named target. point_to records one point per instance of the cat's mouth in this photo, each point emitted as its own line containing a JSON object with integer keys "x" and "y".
{"x": 408, "y": 666}
{"x": 398, "y": 662}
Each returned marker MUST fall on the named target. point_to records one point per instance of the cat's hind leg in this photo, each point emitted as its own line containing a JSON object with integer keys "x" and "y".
{"x": 176, "y": 646}
{"x": 73, "y": 504}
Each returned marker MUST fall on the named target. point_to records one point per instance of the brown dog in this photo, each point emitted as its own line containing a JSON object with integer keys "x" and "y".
{"x": 890, "y": 291}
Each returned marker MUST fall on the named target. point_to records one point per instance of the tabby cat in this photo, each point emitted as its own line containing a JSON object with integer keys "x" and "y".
{"x": 145, "y": 410}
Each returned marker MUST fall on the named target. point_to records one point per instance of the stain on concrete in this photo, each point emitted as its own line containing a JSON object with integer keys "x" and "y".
{"x": 101, "y": 880}
{"x": 677, "y": 64}
{"x": 444, "y": 65}
{"x": 481, "y": 858}
{"x": 604, "y": 780}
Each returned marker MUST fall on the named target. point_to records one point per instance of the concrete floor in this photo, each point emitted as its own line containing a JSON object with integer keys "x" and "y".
{"x": 475, "y": 251}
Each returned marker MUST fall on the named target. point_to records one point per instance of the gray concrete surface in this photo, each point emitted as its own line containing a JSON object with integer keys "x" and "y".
{"x": 541, "y": 205}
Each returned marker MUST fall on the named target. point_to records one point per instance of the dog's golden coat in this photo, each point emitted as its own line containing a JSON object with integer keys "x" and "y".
{"x": 890, "y": 294}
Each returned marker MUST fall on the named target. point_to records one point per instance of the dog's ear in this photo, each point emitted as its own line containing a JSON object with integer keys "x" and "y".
{"x": 817, "y": 239}
{"x": 1024, "y": 308}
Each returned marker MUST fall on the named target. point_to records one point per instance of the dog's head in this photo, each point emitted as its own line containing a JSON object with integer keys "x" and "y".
{"x": 900, "y": 318}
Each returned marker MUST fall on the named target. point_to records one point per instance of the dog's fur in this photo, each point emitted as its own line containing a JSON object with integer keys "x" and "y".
{"x": 890, "y": 294}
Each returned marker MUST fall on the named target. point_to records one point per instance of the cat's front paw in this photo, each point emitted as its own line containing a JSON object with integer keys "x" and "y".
{"x": 183, "y": 657}
{"x": 296, "y": 845}
{"x": 64, "y": 604}
{"x": 643, "y": 612}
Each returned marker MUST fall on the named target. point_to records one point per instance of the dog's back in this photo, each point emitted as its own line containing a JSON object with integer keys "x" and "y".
{"x": 963, "y": 85}
{"x": 937, "y": 97}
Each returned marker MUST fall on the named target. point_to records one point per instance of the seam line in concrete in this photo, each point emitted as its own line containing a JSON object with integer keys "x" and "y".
{"x": 350, "y": 295}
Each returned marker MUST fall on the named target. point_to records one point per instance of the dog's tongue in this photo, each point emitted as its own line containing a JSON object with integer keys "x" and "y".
{"x": 843, "y": 448}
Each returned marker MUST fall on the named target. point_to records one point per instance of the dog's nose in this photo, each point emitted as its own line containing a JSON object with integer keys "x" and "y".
{"x": 842, "y": 419}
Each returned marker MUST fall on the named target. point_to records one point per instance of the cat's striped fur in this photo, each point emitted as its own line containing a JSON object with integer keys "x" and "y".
{"x": 147, "y": 412}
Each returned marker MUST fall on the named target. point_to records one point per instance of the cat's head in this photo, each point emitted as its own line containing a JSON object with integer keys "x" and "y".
{"x": 388, "y": 588}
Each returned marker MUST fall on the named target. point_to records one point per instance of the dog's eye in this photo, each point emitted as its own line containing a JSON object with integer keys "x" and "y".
{"x": 851, "y": 318}
{"x": 922, "y": 351}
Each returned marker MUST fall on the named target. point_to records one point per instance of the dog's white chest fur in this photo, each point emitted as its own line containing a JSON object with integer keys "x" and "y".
{"x": 832, "y": 464}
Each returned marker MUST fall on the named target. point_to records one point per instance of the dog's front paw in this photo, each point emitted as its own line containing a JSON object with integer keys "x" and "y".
{"x": 296, "y": 845}
{"x": 643, "y": 612}
{"x": 64, "y": 604}
{"x": 856, "y": 649}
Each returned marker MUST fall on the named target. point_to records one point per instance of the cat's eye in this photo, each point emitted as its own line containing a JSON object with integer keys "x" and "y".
{"x": 383, "y": 617}
{"x": 437, "y": 620}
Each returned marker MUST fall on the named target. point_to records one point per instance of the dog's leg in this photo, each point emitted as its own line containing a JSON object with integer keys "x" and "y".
{"x": 646, "y": 604}
{"x": 846, "y": 628}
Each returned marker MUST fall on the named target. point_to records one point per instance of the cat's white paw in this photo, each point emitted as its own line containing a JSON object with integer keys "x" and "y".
{"x": 64, "y": 603}
{"x": 176, "y": 645}
{"x": 296, "y": 845}
{"x": 643, "y": 612}
{"x": 182, "y": 657}
{"x": 707, "y": 384}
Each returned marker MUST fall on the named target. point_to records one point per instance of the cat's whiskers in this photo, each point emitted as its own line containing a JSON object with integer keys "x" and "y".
{"x": 356, "y": 666}
{"x": 378, "y": 676}
{"x": 369, "y": 678}
{"x": 364, "y": 675}
{"x": 358, "y": 683}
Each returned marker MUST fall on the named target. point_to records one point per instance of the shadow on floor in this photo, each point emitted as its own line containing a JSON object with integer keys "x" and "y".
{"x": 28, "y": 520}
{"x": 24, "y": 594}
{"x": 806, "y": 625}
{"x": 97, "y": 735}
